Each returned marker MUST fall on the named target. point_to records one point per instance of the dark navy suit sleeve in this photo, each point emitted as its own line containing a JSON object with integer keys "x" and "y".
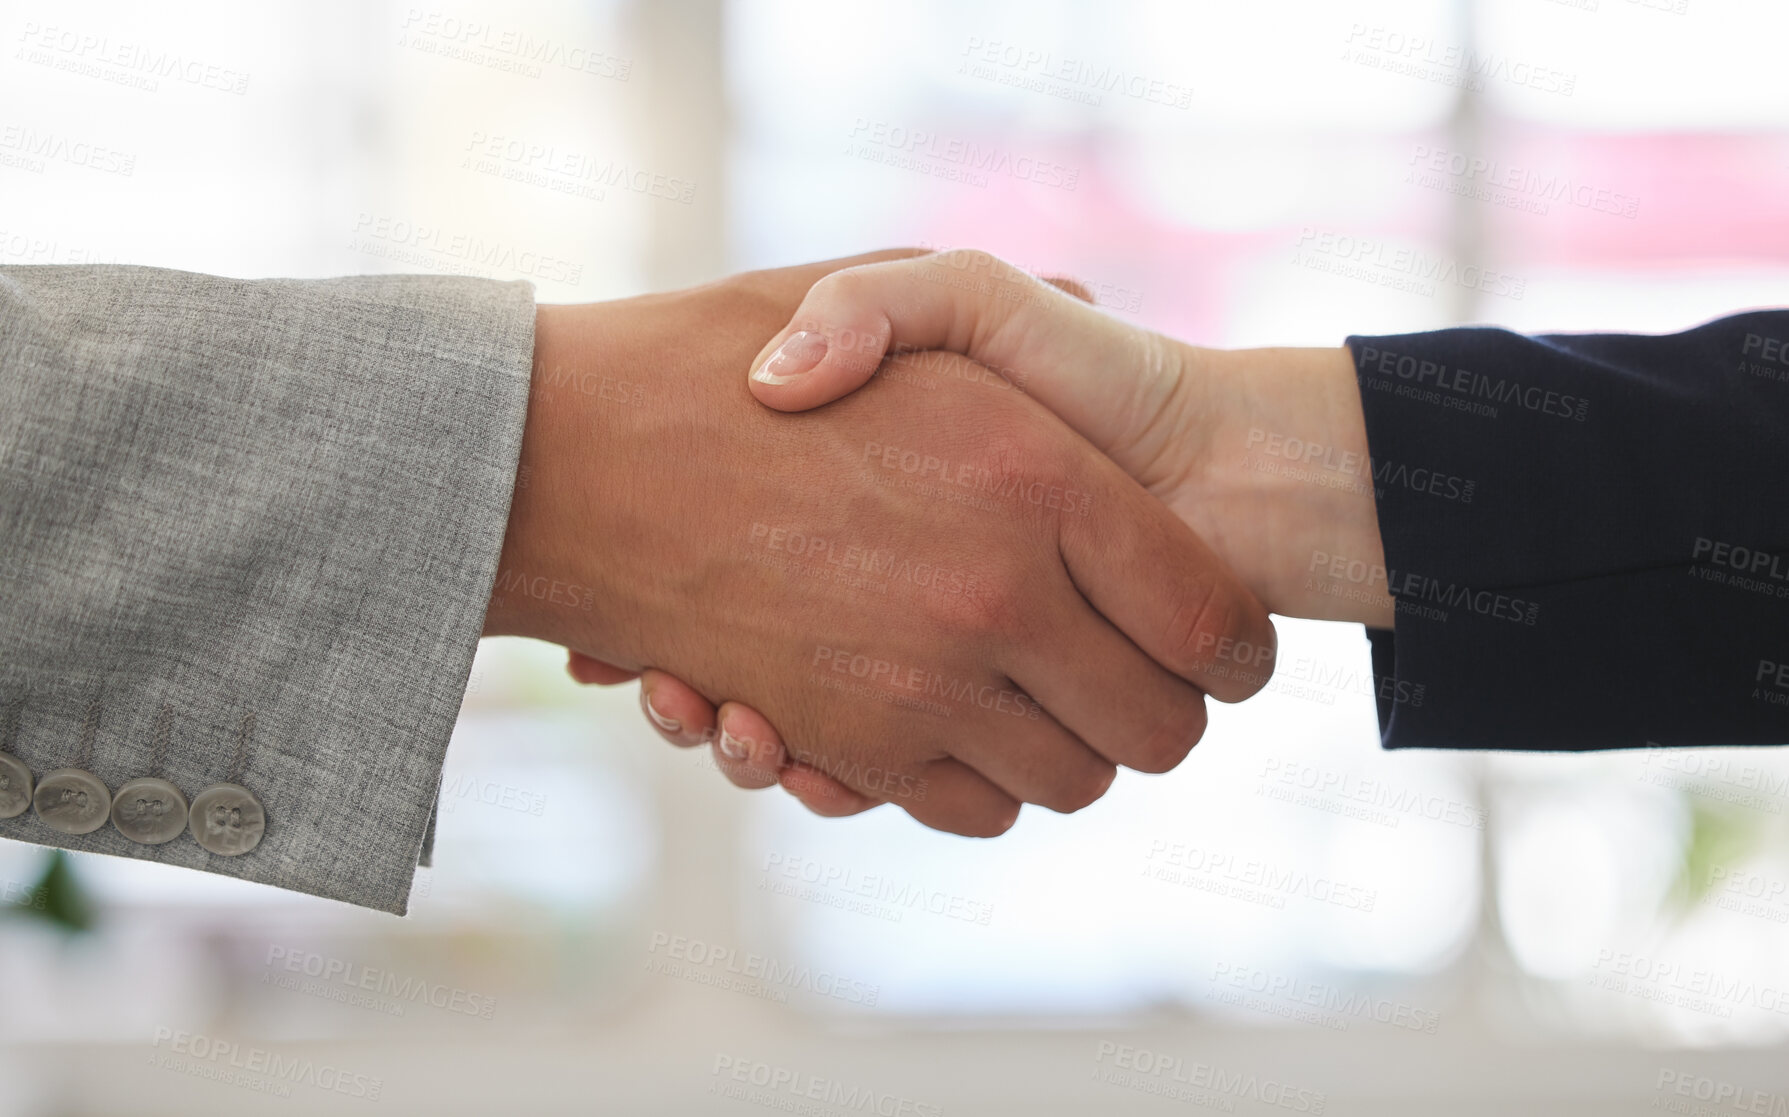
{"x": 1586, "y": 536}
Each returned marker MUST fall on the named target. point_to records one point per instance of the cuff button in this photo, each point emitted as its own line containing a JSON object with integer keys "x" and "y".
{"x": 15, "y": 786}
{"x": 72, "y": 801}
{"x": 227, "y": 819}
{"x": 149, "y": 811}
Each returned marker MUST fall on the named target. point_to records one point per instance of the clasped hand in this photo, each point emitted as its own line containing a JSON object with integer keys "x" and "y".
{"x": 930, "y": 592}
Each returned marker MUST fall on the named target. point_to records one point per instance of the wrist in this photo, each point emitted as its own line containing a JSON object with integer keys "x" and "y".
{"x": 1290, "y": 464}
{"x": 525, "y": 562}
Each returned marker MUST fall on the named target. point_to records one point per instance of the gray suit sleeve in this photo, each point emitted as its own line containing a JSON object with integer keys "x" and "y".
{"x": 248, "y": 531}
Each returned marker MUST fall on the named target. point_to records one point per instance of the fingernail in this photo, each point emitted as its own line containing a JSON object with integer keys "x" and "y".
{"x": 669, "y": 725}
{"x": 732, "y": 747}
{"x": 795, "y": 357}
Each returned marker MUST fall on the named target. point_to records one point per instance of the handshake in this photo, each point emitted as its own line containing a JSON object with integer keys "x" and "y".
{"x": 1019, "y": 545}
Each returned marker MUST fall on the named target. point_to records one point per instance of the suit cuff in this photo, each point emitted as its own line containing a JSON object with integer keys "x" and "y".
{"x": 275, "y": 498}
{"x": 1542, "y": 502}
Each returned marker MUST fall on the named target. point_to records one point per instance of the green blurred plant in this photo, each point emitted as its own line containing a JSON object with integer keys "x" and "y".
{"x": 1720, "y": 835}
{"x": 58, "y": 898}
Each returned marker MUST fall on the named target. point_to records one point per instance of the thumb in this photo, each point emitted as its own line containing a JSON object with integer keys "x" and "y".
{"x": 1098, "y": 374}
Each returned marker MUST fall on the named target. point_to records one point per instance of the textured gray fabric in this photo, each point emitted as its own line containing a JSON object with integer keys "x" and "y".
{"x": 277, "y": 498}
{"x": 427, "y": 858}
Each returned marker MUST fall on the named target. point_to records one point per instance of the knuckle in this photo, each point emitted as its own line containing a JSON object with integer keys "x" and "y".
{"x": 990, "y": 606}
{"x": 843, "y": 307}
{"x": 1170, "y": 742}
{"x": 995, "y": 822}
{"x": 1023, "y": 467}
{"x": 1198, "y": 627}
{"x": 1084, "y": 790}
{"x": 1210, "y": 634}
{"x": 1254, "y": 663}
{"x": 844, "y": 281}
{"x": 835, "y": 289}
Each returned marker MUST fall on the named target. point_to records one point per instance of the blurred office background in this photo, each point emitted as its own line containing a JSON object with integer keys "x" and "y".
{"x": 1291, "y": 921}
